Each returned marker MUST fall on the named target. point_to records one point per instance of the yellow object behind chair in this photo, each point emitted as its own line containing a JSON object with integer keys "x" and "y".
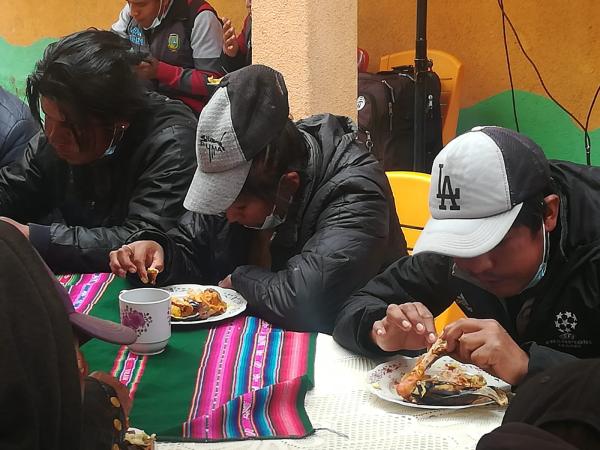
{"x": 449, "y": 69}
{"x": 411, "y": 197}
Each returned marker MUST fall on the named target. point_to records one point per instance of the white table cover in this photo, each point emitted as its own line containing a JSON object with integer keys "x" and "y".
{"x": 346, "y": 416}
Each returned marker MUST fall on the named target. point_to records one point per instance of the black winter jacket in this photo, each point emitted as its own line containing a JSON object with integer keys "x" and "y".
{"x": 17, "y": 126}
{"x": 342, "y": 230}
{"x": 92, "y": 209}
{"x": 565, "y": 315}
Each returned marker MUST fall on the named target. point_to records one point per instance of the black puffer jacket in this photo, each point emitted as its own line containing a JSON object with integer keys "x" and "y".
{"x": 92, "y": 209}
{"x": 565, "y": 306}
{"x": 342, "y": 230}
{"x": 17, "y": 126}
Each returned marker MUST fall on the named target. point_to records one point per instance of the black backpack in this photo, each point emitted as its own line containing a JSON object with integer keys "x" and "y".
{"x": 386, "y": 117}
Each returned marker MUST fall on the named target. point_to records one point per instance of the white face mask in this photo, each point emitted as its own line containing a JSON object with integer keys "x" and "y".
{"x": 544, "y": 264}
{"x": 159, "y": 17}
{"x": 283, "y": 199}
{"x": 271, "y": 221}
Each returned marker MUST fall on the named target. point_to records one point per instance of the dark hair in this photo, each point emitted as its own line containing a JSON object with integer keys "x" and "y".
{"x": 533, "y": 210}
{"x": 287, "y": 153}
{"x": 91, "y": 74}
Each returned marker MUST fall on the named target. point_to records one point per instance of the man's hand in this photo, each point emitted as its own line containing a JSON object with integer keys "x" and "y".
{"x": 486, "y": 344}
{"x": 408, "y": 326}
{"x": 137, "y": 257}
{"x": 24, "y": 229}
{"x": 230, "y": 43}
{"x": 147, "y": 69}
{"x": 225, "y": 283}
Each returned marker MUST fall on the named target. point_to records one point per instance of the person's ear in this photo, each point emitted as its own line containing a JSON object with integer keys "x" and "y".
{"x": 551, "y": 211}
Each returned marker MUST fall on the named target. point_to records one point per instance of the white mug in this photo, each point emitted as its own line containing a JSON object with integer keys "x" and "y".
{"x": 148, "y": 312}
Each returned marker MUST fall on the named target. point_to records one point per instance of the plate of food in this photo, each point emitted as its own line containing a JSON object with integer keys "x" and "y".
{"x": 436, "y": 381}
{"x": 193, "y": 304}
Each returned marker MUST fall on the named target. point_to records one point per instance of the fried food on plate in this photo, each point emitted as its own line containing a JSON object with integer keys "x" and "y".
{"x": 204, "y": 303}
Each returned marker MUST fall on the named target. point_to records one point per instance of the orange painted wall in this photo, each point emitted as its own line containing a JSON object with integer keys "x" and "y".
{"x": 562, "y": 37}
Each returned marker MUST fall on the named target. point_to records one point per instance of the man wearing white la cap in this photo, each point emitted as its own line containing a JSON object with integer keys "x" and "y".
{"x": 514, "y": 239}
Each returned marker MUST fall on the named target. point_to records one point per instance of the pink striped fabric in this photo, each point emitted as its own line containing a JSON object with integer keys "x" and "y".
{"x": 251, "y": 380}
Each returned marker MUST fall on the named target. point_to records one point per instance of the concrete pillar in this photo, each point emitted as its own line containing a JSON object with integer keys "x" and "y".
{"x": 313, "y": 44}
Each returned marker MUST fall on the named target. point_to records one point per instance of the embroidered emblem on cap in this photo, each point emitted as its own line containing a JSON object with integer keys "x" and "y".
{"x": 445, "y": 192}
{"x": 213, "y": 146}
{"x": 173, "y": 42}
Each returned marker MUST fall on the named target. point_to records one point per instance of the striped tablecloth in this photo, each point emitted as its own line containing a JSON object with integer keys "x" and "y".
{"x": 239, "y": 379}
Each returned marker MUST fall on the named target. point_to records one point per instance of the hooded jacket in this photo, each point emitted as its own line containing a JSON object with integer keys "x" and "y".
{"x": 77, "y": 214}
{"x": 341, "y": 230}
{"x": 560, "y": 317}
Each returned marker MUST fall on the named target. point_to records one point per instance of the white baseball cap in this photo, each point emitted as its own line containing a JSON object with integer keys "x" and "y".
{"x": 479, "y": 182}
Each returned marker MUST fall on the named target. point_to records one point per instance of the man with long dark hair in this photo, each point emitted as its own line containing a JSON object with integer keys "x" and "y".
{"x": 112, "y": 158}
{"x": 294, "y": 216}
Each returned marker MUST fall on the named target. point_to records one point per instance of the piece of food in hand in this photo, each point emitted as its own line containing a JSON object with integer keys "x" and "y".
{"x": 152, "y": 274}
{"x": 137, "y": 439}
{"x": 409, "y": 381}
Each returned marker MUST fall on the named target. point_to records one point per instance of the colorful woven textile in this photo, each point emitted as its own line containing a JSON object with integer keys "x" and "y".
{"x": 240, "y": 379}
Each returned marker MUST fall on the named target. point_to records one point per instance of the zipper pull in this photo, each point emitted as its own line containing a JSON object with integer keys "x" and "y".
{"x": 430, "y": 105}
{"x": 390, "y": 104}
{"x": 369, "y": 141}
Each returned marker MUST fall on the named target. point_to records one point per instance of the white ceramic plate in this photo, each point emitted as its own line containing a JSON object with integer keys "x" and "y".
{"x": 236, "y": 304}
{"x": 382, "y": 378}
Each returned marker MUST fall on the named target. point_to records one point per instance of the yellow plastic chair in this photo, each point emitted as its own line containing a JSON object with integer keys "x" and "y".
{"x": 449, "y": 69}
{"x": 411, "y": 197}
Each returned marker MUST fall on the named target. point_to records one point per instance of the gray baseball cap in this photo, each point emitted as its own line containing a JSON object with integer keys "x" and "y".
{"x": 248, "y": 110}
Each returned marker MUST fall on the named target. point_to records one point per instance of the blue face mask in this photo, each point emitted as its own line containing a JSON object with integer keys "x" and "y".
{"x": 543, "y": 265}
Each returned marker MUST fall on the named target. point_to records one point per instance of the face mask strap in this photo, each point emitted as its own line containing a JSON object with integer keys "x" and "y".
{"x": 114, "y": 141}
{"x": 543, "y": 265}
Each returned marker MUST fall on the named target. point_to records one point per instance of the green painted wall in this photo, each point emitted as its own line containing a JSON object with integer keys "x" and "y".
{"x": 539, "y": 118}
{"x": 18, "y": 62}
